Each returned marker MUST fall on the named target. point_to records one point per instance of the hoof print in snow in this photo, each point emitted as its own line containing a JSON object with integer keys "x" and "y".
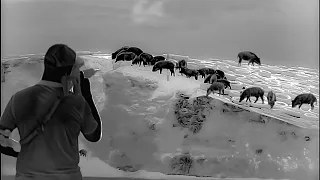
{"x": 259, "y": 151}
{"x": 108, "y": 85}
{"x": 283, "y": 135}
{"x": 264, "y": 119}
{"x": 152, "y": 127}
{"x": 294, "y": 135}
{"x": 181, "y": 164}
{"x": 307, "y": 138}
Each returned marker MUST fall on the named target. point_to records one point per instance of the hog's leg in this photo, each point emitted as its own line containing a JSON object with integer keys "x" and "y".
{"x": 208, "y": 92}
{"x": 239, "y": 63}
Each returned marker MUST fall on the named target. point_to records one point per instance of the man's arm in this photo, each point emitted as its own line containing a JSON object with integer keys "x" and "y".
{"x": 7, "y": 122}
{"x": 90, "y": 111}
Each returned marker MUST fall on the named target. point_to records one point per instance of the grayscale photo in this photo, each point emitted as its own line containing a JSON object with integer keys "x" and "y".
{"x": 159, "y": 90}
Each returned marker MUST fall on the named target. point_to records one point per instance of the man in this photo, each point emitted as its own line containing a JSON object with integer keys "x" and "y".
{"x": 53, "y": 152}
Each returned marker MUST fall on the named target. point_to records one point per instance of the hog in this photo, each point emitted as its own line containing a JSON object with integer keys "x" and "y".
{"x": 126, "y": 56}
{"x": 189, "y": 72}
{"x": 220, "y": 74}
{"x": 252, "y": 91}
{"x": 146, "y": 58}
{"x": 225, "y": 82}
{"x": 114, "y": 55}
{"x": 135, "y": 50}
{"x": 164, "y": 65}
{"x": 248, "y": 56}
{"x": 180, "y": 64}
{"x": 138, "y": 61}
{"x": 271, "y": 98}
{"x": 157, "y": 59}
{"x": 305, "y": 98}
{"x": 206, "y": 71}
{"x": 216, "y": 86}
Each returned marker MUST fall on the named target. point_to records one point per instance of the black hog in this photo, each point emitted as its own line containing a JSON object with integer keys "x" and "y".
{"x": 208, "y": 78}
{"x": 252, "y": 91}
{"x": 135, "y": 50}
{"x": 225, "y": 82}
{"x": 138, "y": 61}
{"x": 220, "y": 74}
{"x": 216, "y": 86}
{"x": 114, "y": 55}
{"x": 306, "y": 98}
{"x": 271, "y": 98}
{"x": 205, "y": 71}
{"x": 180, "y": 64}
{"x": 126, "y": 56}
{"x": 146, "y": 58}
{"x": 248, "y": 56}
{"x": 157, "y": 59}
{"x": 189, "y": 72}
{"x": 164, "y": 65}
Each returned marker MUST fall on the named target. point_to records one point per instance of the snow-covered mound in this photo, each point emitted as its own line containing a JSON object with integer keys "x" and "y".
{"x": 154, "y": 127}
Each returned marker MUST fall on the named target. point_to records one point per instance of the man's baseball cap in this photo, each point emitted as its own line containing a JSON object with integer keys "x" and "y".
{"x": 60, "y": 55}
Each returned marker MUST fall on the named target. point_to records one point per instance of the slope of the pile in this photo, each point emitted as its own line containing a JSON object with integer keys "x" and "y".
{"x": 137, "y": 108}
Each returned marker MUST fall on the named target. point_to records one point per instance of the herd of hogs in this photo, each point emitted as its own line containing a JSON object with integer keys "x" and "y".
{"x": 214, "y": 77}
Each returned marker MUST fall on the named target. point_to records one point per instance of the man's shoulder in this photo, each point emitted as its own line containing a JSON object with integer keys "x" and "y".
{"x": 35, "y": 89}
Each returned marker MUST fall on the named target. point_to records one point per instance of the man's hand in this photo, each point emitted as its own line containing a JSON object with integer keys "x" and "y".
{"x": 5, "y": 141}
{"x": 88, "y": 73}
{"x": 4, "y": 138}
{"x": 85, "y": 86}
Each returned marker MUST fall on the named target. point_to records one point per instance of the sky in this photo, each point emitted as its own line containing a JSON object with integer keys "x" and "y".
{"x": 278, "y": 31}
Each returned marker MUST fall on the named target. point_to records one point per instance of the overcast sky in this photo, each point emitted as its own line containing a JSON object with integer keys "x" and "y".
{"x": 279, "y": 31}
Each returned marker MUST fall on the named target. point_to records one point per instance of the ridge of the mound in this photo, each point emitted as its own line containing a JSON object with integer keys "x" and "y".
{"x": 135, "y": 74}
